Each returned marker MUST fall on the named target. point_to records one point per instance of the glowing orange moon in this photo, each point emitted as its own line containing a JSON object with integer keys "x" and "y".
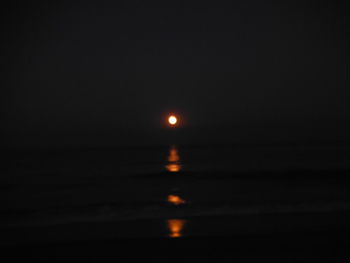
{"x": 172, "y": 120}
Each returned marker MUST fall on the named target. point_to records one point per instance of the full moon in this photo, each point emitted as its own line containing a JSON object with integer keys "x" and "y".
{"x": 172, "y": 120}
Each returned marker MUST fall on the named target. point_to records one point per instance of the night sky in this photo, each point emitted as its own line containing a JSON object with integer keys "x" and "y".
{"x": 106, "y": 73}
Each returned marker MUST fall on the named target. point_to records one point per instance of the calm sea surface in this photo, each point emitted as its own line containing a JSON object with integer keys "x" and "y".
{"x": 175, "y": 184}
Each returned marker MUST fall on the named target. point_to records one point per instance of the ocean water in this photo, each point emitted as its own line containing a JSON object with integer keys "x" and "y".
{"x": 175, "y": 184}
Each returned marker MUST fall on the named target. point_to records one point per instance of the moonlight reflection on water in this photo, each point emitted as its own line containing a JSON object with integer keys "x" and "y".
{"x": 173, "y": 164}
{"x": 176, "y": 227}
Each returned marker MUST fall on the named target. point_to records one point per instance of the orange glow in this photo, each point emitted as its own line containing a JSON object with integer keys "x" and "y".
{"x": 172, "y": 120}
{"x": 175, "y": 200}
{"x": 174, "y": 168}
{"x": 173, "y": 155}
{"x": 175, "y": 227}
{"x": 174, "y": 160}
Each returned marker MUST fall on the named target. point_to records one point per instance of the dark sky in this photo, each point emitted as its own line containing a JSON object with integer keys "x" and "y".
{"x": 109, "y": 69}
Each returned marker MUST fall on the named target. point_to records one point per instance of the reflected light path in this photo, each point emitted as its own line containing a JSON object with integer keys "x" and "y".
{"x": 176, "y": 200}
{"x": 174, "y": 168}
{"x": 175, "y": 227}
{"x": 173, "y": 165}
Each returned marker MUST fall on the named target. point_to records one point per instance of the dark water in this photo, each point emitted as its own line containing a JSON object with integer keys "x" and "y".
{"x": 164, "y": 191}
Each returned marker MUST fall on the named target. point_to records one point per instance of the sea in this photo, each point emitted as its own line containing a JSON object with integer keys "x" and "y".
{"x": 170, "y": 191}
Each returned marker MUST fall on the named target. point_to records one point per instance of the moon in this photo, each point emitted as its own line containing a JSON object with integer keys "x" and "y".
{"x": 172, "y": 120}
